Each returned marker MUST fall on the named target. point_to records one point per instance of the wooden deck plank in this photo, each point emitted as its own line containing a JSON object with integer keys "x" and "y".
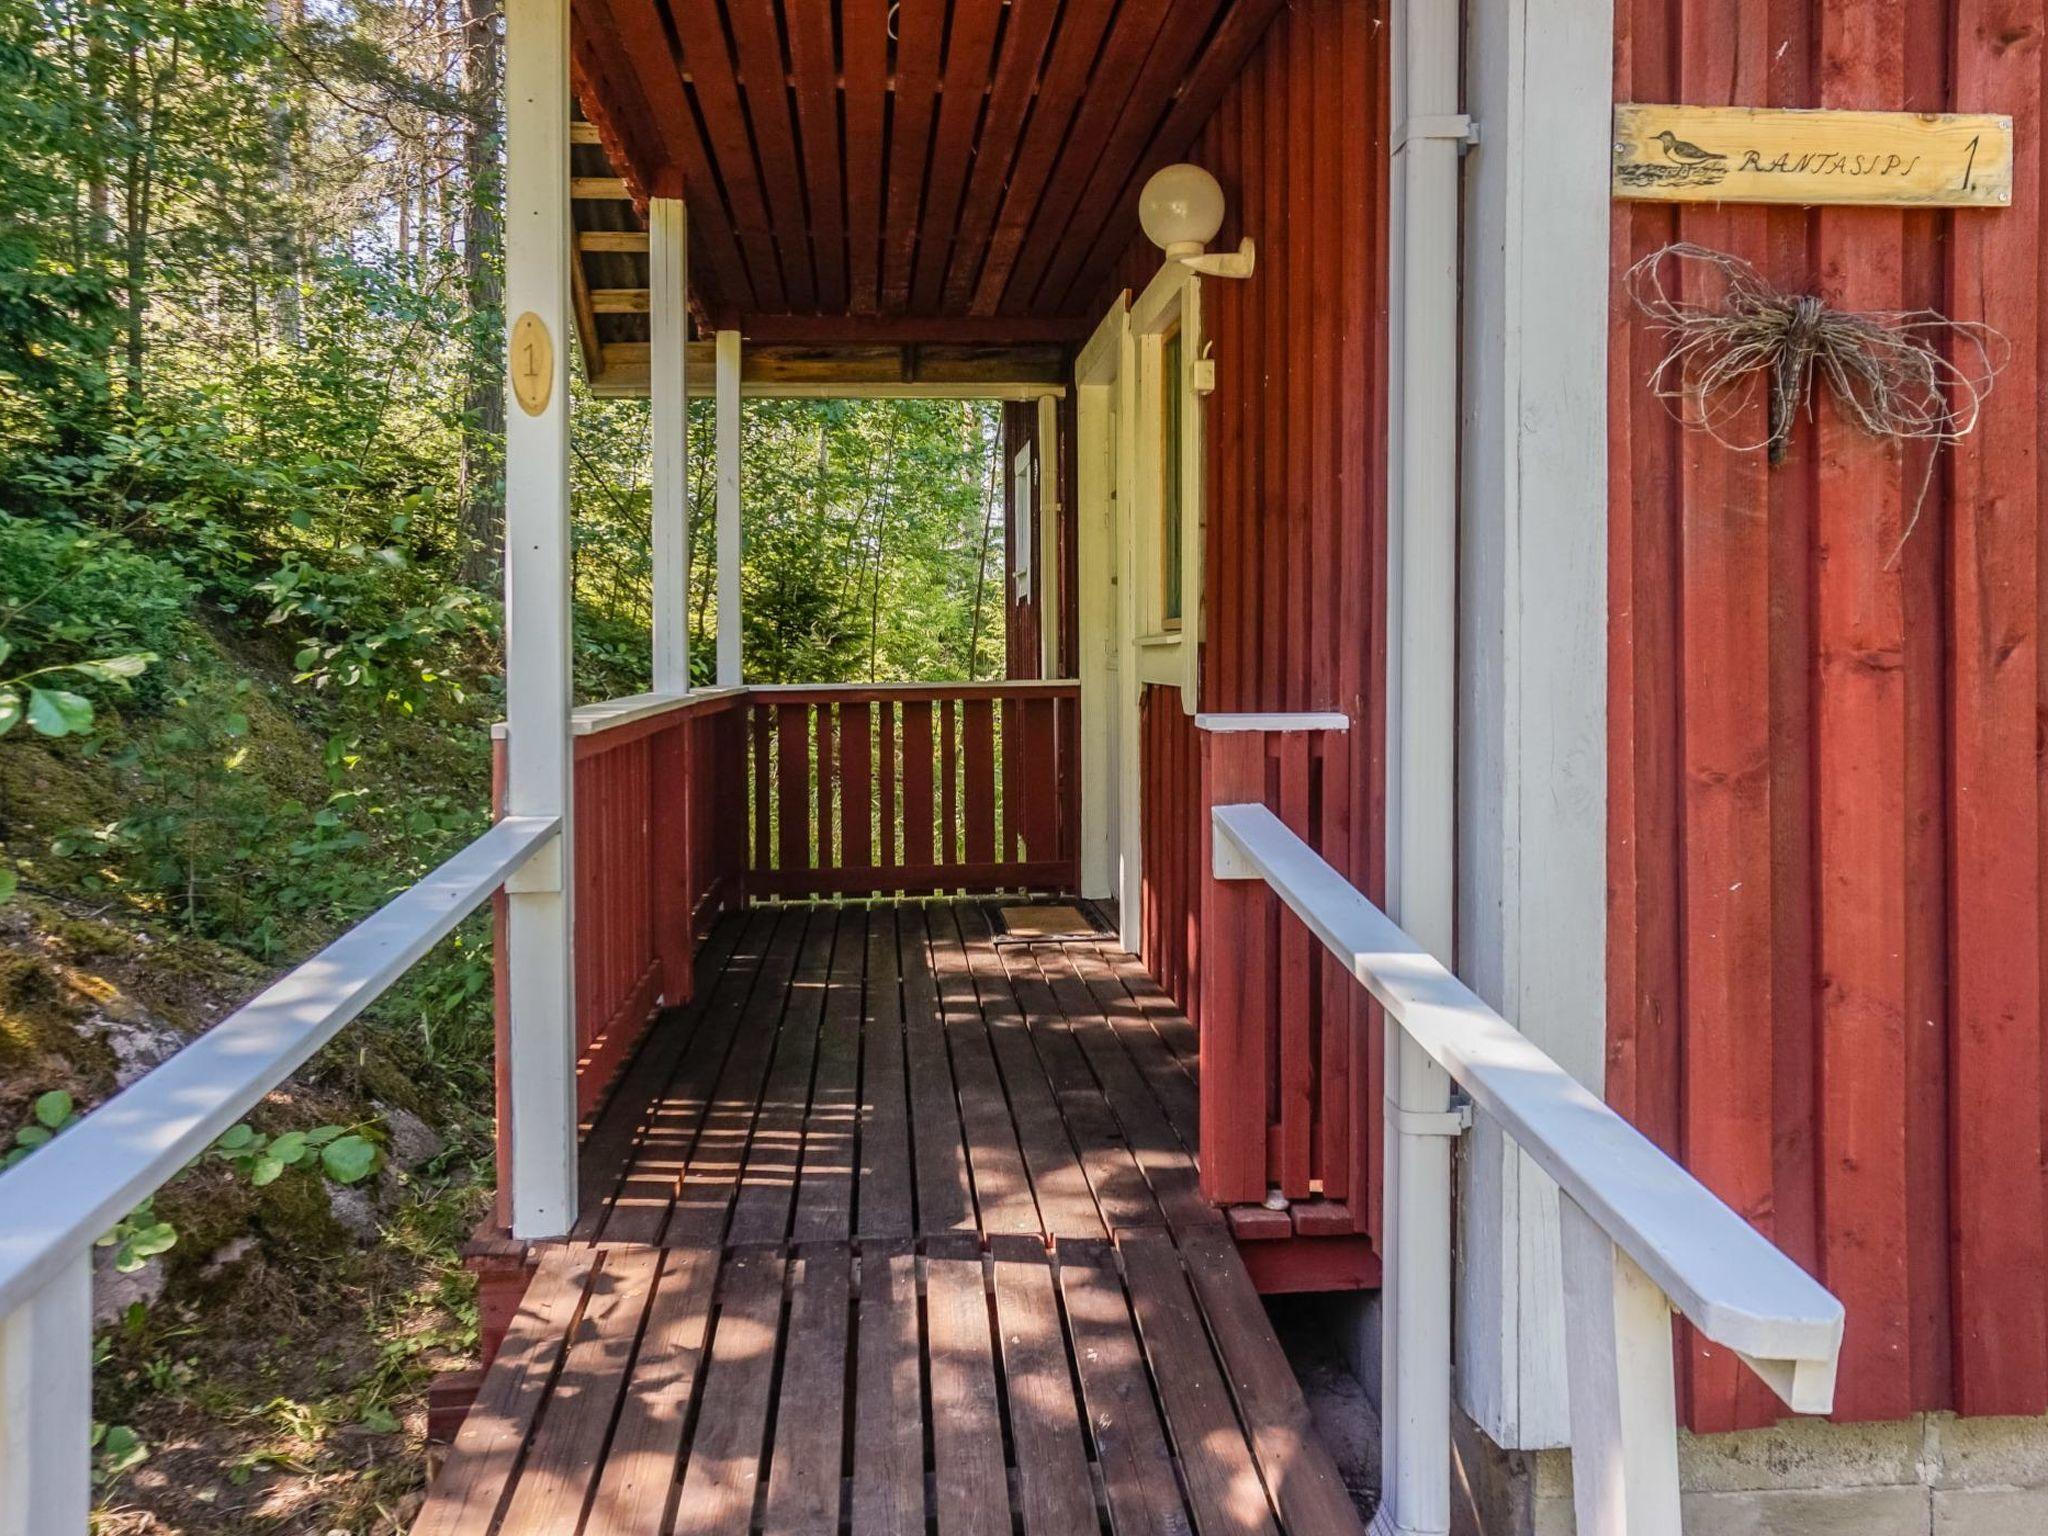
{"x": 640, "y": 1471}
{"x": 568, "y": 1448}
{"x": 638, "y": 1207}
{"x": 1167, "y": 1164}
{"x": 725, "y": 1457}
{"x": 1296, "y": 1465}
{"x": 888, "y": 1434}
{"x": 644, "y": 1388}
{"x": 1129, "y": 1014}
{"x": 824, "y": 1203}
{"x": 803, "y": 1479}
{"x": 767, "y": 1185}
{"x": 467, "y": 1496}
{"x": 1130, "y": 1444}
{"x": 1002, "y": 1189}
{"x": 1121, "y": 1193}
{"x": 1055, "y": 1494}
{"x": 711, "y": 1175}
{"x": 967, "y": 1437}
{"x": 884, "y": 1200}
{"x": 945, "y": 1198}
{"x": 628, "y": 1112}
{"x": 1066, "y": 1203}
{"x": 1222, "y": 1480}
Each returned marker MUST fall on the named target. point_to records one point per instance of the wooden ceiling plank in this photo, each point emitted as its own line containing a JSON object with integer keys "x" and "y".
{"x": 629, "y": 242}
{"x": 1220, "y": 65}
{"x": 766, "y": 90}
{"x": 1002, "y": 126}
{"x": 919, "y": 26}
{"x": 864, "y": 40}
{"x": 1177, "y": 47}
{"x": 609, "y": 95}
{"x": 1137, "y": 29}
{"x": 970, "y": 67}
{"x": 817, "y": 113}
{"x": 634, "y": 31}
{"x": 710, "y": 71}
{"x": 1066, "y": 76}
{"x": 895, "y": 330}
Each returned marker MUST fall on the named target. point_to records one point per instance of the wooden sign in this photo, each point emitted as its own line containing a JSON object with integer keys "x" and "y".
{"x": 1773, "y": 155}
{"x": 532, "y": 361}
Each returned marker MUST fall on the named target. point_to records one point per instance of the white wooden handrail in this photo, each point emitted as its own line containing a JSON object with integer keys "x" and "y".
{"x": 54, "y": 1205}
{"x": 1670, "y": 1231}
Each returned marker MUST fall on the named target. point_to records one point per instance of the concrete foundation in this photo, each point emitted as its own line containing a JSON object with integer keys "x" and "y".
{"x": 1934, "y": 1475}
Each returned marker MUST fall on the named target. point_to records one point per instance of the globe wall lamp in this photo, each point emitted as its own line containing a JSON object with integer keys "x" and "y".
{"x": 1180, "y": 209}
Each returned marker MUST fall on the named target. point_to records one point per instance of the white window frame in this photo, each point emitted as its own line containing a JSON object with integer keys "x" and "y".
{"x": 1168, "y": 657}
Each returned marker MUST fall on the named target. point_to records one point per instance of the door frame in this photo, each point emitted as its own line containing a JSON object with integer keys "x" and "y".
{"x": 1111, "y": 851}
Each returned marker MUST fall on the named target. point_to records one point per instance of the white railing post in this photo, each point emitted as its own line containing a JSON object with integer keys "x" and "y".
{"x": 668, "y": 414}
{"x": 46, "y": 1408}
{"x": 1415, "y": 1296}
{"x": 1619, "y": 1385}
{"x": 726, "y": 392}
{"x": 537, "y": 673}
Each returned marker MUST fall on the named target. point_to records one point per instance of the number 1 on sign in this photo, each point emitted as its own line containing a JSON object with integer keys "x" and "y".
{"x": 533, "y": 363}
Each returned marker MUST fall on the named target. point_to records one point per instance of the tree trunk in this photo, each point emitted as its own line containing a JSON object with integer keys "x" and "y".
{"x": 483, "y": 407}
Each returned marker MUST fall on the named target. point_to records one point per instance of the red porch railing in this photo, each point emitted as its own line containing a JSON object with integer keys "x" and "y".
{"x": 913, "y": 788}
{"x": 657, "y": 851}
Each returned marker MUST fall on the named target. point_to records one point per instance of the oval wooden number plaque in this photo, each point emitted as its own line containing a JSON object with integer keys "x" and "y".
{"x": 532, "y": 361}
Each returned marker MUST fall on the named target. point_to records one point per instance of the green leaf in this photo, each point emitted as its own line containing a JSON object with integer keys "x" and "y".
{"x": 31, "y": 1136}
{"x": 6, "y": 649}
{"x": 349, "y": 1159}
{"x": 10, "y": 882}
{"x": 289, "y": 1148}
{"x": 53, "y": 1108}
{"x": 115, "y": 669}
{"x": 265, "y": 1170}
{"x": 320, "y": 1135}
{"x": 378, "y": 1420}
{"x": 235, "y": 1137}
{"x": 116, "y": 1449}
{"x": 10, "y": 709}
{"x": 54, "y": 712}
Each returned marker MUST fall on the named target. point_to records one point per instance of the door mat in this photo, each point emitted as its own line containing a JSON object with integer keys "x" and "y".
{"x": 1039, "y": 923}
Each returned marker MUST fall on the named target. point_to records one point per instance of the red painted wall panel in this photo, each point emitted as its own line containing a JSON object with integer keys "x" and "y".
{"x": 1825, "y": 785}
{"x": 1294, "y": 599}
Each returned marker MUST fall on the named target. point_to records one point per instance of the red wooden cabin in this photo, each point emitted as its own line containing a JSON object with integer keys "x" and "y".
{"x": 1559, "y": 862}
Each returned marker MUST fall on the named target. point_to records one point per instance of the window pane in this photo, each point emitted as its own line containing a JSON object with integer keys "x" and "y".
{"x": 1169, "y": 482}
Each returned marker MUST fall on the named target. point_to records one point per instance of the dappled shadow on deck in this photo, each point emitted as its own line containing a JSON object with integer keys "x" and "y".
{"x": 895, "y": 1228}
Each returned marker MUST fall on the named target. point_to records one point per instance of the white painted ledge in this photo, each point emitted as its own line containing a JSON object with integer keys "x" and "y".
{"x": 1323, "y": 720}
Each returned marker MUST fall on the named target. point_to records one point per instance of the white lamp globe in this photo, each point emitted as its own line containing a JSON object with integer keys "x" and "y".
{"x": 1181, "y": 208}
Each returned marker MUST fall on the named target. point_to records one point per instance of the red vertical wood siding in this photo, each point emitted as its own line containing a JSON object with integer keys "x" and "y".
{"x": 1294, "y": 599}
{"x": 1825, "y": 780}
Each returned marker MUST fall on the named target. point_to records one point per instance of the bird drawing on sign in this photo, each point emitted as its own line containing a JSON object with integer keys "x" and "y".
{"x": 1683, "y": 152}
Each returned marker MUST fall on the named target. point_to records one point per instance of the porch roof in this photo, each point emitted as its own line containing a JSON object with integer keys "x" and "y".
{"x": 938, "y": 171}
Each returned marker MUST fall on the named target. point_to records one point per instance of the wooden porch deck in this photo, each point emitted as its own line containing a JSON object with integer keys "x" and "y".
{"x": 896, "y": 1228}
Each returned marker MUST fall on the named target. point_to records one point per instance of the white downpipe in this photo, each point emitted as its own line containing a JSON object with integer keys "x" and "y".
{"x": 668, "y": 411}
{"x": 726, "y": 395}
{"x": 1421, "y": 788}
{"x": 537, "y": 687}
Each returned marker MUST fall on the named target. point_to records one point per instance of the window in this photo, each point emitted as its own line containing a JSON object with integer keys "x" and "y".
{"x": 1170, "y": 490}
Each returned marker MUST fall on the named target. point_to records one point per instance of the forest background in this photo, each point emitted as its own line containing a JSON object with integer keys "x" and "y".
{"x": 250, "y": 607}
